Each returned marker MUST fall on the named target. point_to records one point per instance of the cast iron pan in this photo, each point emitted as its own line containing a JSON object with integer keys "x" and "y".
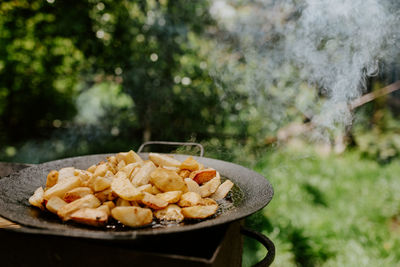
{"x": 252, "y": 193}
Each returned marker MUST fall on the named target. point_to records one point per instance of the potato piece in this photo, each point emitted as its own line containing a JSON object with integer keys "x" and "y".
{"x": 121, "y": 175}
{"x": 167, "y": 180}
{"x": 52, "y": 178}
{"x": 77, "y": 193}
{"x": 192, "y": 186}
{"x": 128, "y": 169}
{"x": 203, "y": 176}
{"x": 207, "y": 201}
{"x": 142, "y": 177}
{"x": 199, "y": 212}
{"x": 105, "y": 208}
{"x": 101, "y": 170}
{"x": 222, "y": 190}
{"x": 184, "y": 173}
{"x": 132, "y": 216}
{"x": 146, "y": 188}
{"x": 92, "y": 168}
{"x": 109, "y": 204}
{"x": 113, "y": 161}
{"x": 122, "y": 203}
{"x": 106, "y": 195}
{"x": 154, "y": 202}
{"x": 62, "y": 187}
{"x": 124, "y": 189}
{"x": 129, "y": 157}
{"x": 101, "y": 183}
{"x": 164, "y": 160}
{"x": 171, "y": 213}
{"x": 54, "y": 204}
{"x": 175, "y": 169}
{"x": 154, "y": 190}
{"x": 190, "y": 164}
{"x": 121, "y": 164}
{"x": 37, "y": 198}
{"x": 171, "y": 196}
{"x": 88, "y": 201}
{"x": 90, "y": 216}
{"x": 189, "y": 199}
{"x": 65, "y": 173}
{"x": 83, "y": 175}
{"x": 210, "y": 187}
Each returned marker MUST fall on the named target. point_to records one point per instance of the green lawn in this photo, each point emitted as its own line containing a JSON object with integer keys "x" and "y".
{"x": 340, "y": 210}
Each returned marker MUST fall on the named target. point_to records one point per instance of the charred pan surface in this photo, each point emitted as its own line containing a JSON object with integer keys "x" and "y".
{"x": 255, "y": 193}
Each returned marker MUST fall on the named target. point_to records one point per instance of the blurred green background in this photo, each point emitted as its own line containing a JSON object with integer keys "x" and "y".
{"x": 90, "y": 76}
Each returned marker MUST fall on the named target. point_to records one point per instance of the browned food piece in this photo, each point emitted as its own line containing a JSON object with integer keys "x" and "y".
{"x": 132, "y": 216}
{"x": 207, "y": 201}
{"x": 52, "y": 178}
{"x": 190, "y": 164}
{"x": 189, "y": 199}
{"x": 155, "y": 190}
{"x": 128, "y": 169}
{"x": 105, "y": 195}
{"x": 171, "y": 196}
{"x": 164, "y": 160}
{"x": 101, "y": 170}
{"x": 210, "y": 187}
{"x": 37, "y": 198}
{"x": 62, "y": 187}
{"x": 192, "y": 186}
{"x": 199, "y": 212}
{"x": 88, "y": 201}
{"x": 121, "y": 175}
{"x": 101, "y": 183}
{"x": 124, "y": 189}
{"x": 184, "y": 173}
{"x": 154, "y": 202}
{"x": 105, "y": 208}
{"x": 171, "y": 213}
{"x": 85, "y": 176}
{"x": 90, "y": 216}
{"x": 110, "y": 204}
{"x": 122, "y": 203}
{"x": 203, "y": 176}
{"x": 77, "y": 193}
{"x": 65, "y": 173}
{"x": 222, "y": 190}
{"x": 146, "y": 188}
{"x": 167, "y": 180}
{"x": 121, "y": 164}
{"x": 92, "y": 168}
{"x": 142, "y": 176}
{"x": 54, "y": 204}
{"x": 129, "y": 157}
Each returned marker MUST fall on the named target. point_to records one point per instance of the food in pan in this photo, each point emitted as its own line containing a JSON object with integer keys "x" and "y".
{"x": 133, "y": 191}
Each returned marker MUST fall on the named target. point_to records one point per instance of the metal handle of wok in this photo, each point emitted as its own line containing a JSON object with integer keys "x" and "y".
{"x": 172, "y": 144}
{"x": 265, "y": 241}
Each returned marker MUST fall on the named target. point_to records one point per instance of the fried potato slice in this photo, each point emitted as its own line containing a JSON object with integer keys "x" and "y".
{"x": 142, "y": 176}
{"x": 65, "y": 173}
{"x": 55, "y": 203}
{"x": 164, "y": 160}
{"x": 192, "y": 186}
{"x": 62, "y": 187}
{"x": 171, "y": 213}
{"x": 199, "y": 212}
{"x": 167, "y": 180}
{"x": 190, "y": 164}
{"x": 76, "y": 193}
{"x": 90, "y": 216}
{"x": 128, "y": 169}
{"x": 207, "y": 201}
{"x": 170, "y": 196}
{"x": 222, "y": 190}
{"x": 37, "y": 198}
{"x": 105, "y": 208}
{"x": 88, "y": 201}
{"x": 106, "y": 195}
{"x": 92, "y": 168}
{"x": 109, "y": 204}
{"x": 210, "y": 187}
{"x": 101, "y": 183}
{"x": 52, "y": 178}
{"x": 202, "y": 176}
{"x": 189, "y": 199}
{"x": 124, "y": 189}
{"x": 122, "y": 203}
{"x": 184, "y": 173}
{"x": 132, "y": 216}
{"x": 85, "y": 176}
{"x": 121, "y": 164}
{"x": 101, "y": 170}
{"x": 146, "y": 188}
{"x": 154, "y": 202}
{"x": 129, "y": 157}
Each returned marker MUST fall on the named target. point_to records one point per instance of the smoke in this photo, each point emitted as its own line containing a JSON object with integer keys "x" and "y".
{"x": 285, "y": 48}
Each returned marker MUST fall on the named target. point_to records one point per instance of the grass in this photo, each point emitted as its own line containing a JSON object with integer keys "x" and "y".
{"x": 340, "y": 210}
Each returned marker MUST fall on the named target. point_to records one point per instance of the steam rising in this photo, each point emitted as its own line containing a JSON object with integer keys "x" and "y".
{"x": 291, "y": 46}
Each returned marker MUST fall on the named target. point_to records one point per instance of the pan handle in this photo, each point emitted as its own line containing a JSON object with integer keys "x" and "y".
{"x": 265, "y": 241}
{"x": 171, "y": 144}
